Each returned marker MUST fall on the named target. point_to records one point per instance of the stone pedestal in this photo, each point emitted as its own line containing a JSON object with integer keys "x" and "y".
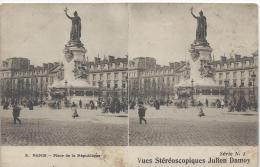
{"x": 201, "y": 57}
{"x": 74, "y": 54}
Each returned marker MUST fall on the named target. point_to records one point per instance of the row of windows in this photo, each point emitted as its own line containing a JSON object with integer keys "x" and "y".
{"x": 37, "y": 80}
{"x": 235, "y": 74}
{"x": 108, "y": 76}
{"x": 158, "y": 72}
{"x": 234, "y": 82}
{"x": 108, "y": 66}
{"x": 108, "y": 84}
{"x": 234, "y": 65}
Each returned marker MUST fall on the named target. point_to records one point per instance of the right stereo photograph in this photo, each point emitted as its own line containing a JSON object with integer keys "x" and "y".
{"x": 193, "y": 75}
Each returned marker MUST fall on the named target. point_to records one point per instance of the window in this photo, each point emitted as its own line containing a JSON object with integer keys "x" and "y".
{"x": 220, "y": 82}
{"x": 100, "y": 84}
{"x": 94, "y": 83}
{"x": 220, "y": 76}
{"x": 227, "y": 75}
{"x": 123, "y": 85}
{"x": 116, "y": 84}
{"x": 234, "y": 74}
{"x": 228, "y": 65}
{"x": 116, "y": 75}
{"x": 108, "y": 84}
{"x": 238, "y": 64}
{"x": 124, "y": 74}
{"x": 242, "y": 83}
{"x": 242, "y": 74}
{"x": 94, "y": 77}
{"x": 108, "y": 75}
{"x": 100, "y": 76}
{"x": 234, "y": 83}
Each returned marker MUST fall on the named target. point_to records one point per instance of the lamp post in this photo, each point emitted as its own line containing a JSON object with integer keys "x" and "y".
{"x": 126, "y": 87}
{"x": 226, "y": 91}
{"x": 99, "y": 88}
{"x": 192, "y": 100}
{"x": 253, "y": 84}
{"x": 66, "y": 90}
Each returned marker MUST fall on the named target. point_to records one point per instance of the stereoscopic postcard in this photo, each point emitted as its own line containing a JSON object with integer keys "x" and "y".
{"x": 129, "y": 85}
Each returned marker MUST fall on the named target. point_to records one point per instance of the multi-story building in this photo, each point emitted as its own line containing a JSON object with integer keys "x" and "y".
{"x": 238, "y": 74}
{"x": 109, "y": 75}
{"x": 140, "y": 77}
{"x": 22, "y": 81}
{"x": 149, "y": 80}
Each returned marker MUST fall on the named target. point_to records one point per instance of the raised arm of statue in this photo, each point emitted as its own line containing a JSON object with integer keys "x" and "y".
{"x": 191, "y": 11}
{"x": 66, "y": 13}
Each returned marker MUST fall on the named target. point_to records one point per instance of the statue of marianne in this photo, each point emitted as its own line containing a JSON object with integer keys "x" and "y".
{"x": 201, "y": 31}
{"x": 75, "y": 32}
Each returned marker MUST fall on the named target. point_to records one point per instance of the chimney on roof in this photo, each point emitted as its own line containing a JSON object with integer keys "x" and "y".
{"x": 31, "y": 67}
{"x": 111, "y": 58}
{"x": 97, "y": 60}
{"x": 45, "y": 65}
{"x": 171, "y": 65}
{"x": 223, "y": 58}
{"x": 237, "y": 57}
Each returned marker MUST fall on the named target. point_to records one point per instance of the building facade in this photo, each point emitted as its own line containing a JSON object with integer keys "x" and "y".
{"x": 148, "y": 80}
{"x": 140, "y": 77}
{"x": 239, "y": 75}
{"x": 109, "y": 75}
{"x": 236, "y": 76}
{"x": 22, "y": 81}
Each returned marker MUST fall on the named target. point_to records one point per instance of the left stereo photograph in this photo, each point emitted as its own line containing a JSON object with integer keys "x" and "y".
{"x": 64, "y": 75}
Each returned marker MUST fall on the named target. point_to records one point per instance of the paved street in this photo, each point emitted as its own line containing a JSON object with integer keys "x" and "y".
{"x": 183, "y": 127}
{"x": 43, "y": 126}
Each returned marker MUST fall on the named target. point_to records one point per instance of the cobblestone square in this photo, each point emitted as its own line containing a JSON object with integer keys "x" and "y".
{"x": 43, "y": 126}
{"x": 170, "y": 126}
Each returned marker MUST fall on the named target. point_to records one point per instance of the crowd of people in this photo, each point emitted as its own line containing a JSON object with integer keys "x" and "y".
{"x": 115, "y": 105}
{"x": 25, "y": 103}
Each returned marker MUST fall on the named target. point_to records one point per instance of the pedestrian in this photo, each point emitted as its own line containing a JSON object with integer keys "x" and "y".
{"x": 30, "y": 105}
{"x": 6, "y": 105}
{"x": 59, "y": 104}
{"x": 16, "y": 113}
{"x": 201, "y": 112}
{"x": 96, "y": 104}
{"x": 231, "y": 106}
{"x": 207, "y": 103}
{"x": 80, "y": 103}
{"x": 141, "y": 113}
{"x": 222, "y": 103}
{"x": 74, "y": 109}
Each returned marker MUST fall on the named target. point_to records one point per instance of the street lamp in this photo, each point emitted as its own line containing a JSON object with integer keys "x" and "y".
{"x": 192, "y": 100}
{"x": 66, "y": 90}
{"x": 226, "y": 91}
{"x": 253, "y": 78}
{"x": 99, "y": 88}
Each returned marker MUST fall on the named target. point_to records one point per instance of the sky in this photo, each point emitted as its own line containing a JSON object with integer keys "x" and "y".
{"x": 165, "y": 31}
{"x": 162, "y": 31}
{"x": 40, "y": 31}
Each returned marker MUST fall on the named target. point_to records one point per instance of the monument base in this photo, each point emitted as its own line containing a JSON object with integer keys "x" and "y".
{"x": 74, "y": 87}
{"x": 201, "y": 84}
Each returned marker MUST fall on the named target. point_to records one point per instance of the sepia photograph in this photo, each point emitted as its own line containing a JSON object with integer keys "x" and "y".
{"x": 193, "y": 75}
{"x": 64, "y": 74}
{"x": 129, "y": 74}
